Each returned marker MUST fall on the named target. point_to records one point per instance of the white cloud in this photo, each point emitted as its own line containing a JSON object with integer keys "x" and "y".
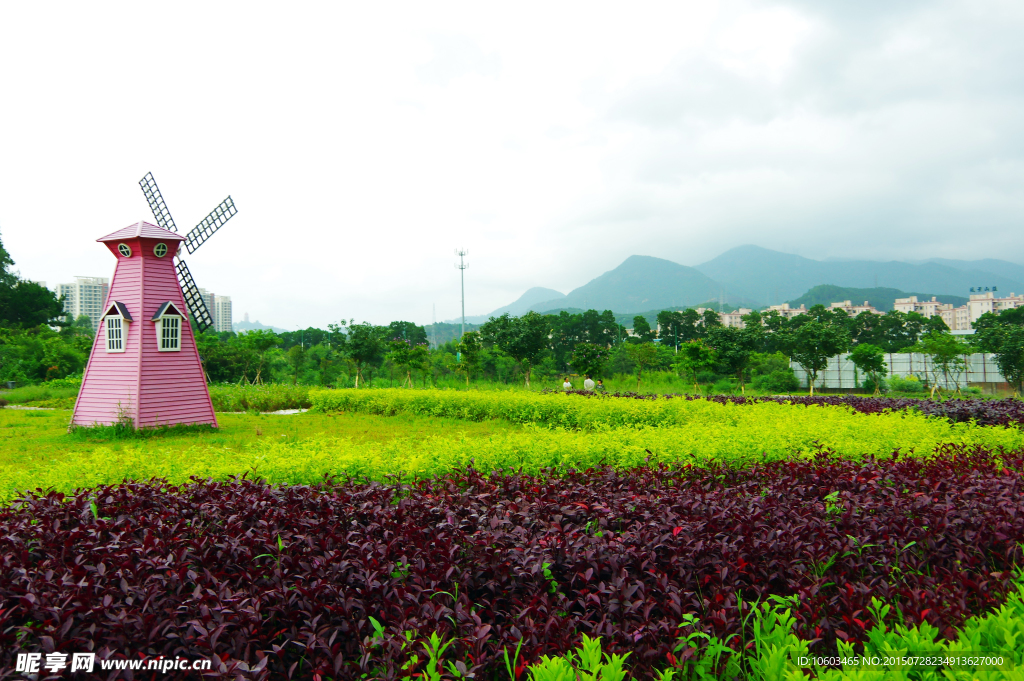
{"x": 363, "y": 143}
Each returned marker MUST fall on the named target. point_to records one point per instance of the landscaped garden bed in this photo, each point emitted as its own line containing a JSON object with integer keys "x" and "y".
{"x": 245, "y": 570}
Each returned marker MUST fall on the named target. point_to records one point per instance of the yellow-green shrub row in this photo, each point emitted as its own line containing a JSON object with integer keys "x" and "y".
{"x": 735, "y": 436}
{"x": 566, "y": 411}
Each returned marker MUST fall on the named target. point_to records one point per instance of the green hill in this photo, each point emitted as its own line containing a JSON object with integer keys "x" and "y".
{"x": 641, "y": 283}
{"x": 882, "y": 299}
{"x": 768, "y": 276}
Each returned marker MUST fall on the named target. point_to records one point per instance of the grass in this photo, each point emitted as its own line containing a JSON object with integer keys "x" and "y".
{"x": 42, "y": 396}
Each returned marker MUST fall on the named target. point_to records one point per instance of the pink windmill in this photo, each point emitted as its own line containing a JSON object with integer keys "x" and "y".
{"x": 144, "y": 366}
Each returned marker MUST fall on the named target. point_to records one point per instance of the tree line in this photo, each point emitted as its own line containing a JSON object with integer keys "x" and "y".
{"x": 37, "y": 345}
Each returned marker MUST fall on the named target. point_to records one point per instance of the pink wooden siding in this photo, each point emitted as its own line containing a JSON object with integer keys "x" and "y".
{"x": 152, "y": 388}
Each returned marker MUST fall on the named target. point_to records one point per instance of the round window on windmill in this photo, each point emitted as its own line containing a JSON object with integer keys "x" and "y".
{"x": 160, "y": 250}
{"x": 125, "y": 250}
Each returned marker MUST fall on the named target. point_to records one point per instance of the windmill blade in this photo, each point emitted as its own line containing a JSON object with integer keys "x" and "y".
{"x": 210, "y": 224}
{"x": 156, "y": 203}
{"x": 195, "y": 303}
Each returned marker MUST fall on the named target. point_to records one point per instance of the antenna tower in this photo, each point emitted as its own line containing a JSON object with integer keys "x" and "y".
{"x": 462, "y": 253}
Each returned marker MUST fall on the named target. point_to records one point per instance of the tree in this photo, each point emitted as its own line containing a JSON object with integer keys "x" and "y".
{"x": 871, "y": 360}
{"x": 364, "y": 345}
{"x": 694, "y": 357}
{"x": 1010, "y": 356}
{"x": 82, "y": 326}
{"x": 524, "y": 339}
{"x": 470, "y": 347}
{"x": 642, "y": 332}
{"x": 813, "y": 343}
{"x": 401, "y": 355}
{"x": 259, "y": 342}
{"x": 416, "y": 335}
{"x": 296, "y": 358}
{"x": 947, "y": 355}
{"x": 588, "y": 359}
{"x": 645, "y": 355}
{"x": 734, "y": 347}
{"x": 419, "y": 358}
{"x": 1003, "y": 335}
{"x": 709, "y": 320}
{"x": 27, "y": 304}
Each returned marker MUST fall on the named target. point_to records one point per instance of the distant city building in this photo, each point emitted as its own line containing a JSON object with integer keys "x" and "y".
{"x": 207, "y": 297}
{"x": 222, "y": 313}
{"x": 925, "y": 308}
{"x": 219, "y": 308}
{"x": 960, "y": 318}
{"x": 734, "y": 319}
{"x": 980, "y": 303}
{"x": 957, "y": 319}
{"x": 851, "y": 309}
{"x": 785, "y": 311}
{"x": 86, "y": 296}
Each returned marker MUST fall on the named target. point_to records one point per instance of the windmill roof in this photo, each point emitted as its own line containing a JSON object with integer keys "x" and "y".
{"x": 143, "y": 229}
{"x": 122, "y": 309}
{"x": 166, "y": 308}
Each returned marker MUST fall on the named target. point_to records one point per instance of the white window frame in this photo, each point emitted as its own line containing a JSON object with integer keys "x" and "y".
{"x": 160, "y": 332}
{"x": 122, "y": 332}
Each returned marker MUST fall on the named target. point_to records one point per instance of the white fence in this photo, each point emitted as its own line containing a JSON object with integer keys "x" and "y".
{"x": 841, "y": 372}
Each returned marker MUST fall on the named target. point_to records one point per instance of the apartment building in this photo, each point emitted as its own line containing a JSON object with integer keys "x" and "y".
{"x": 851, "y": 309}
{"x": 785, "y": 311}
{"x": 960, "y": 318}
{"x": 84, "y": 296}
{"x": 734, "y": 319}
{"x": 221, "y": 313}
{"x": 980, "y": 303}
{"x": 219, "y": 308}
{"x": 926, "y": 308}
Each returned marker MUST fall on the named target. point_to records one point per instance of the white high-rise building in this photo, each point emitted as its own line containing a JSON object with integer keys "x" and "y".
{"x": 208, "y": 299}
{"x": 222, "y": 313}
{"x": 86, "y": 296}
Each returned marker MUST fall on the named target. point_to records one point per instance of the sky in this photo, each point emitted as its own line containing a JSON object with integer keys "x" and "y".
{"x": 363, "y": 143}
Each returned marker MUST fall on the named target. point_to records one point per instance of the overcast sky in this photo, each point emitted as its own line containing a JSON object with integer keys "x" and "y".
{"x": 363, "y": 142}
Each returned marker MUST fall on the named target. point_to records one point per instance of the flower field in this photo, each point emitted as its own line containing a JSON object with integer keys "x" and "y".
{"x": 698, "y": 538}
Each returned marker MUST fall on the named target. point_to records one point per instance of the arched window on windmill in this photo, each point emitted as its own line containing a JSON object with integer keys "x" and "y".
{"x": 115, "y": 325}
{"x": 168, "y": 320}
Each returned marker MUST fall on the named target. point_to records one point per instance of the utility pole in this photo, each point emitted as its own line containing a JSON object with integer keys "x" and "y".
{"x": 462, "y": 253}
{"x": 433, "y": 327}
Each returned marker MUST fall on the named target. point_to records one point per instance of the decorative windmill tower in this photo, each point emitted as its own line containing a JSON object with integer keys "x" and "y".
{"x": 144, "y": 366}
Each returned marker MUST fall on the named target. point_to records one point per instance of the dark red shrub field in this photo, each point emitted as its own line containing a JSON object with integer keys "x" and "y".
{"x": 285, "y": 579}
{"x": 1000, "y": 412}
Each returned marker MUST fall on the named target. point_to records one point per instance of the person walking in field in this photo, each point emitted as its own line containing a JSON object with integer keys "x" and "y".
{"x": 600, "y": 386}
{"x": 588, "y": 384}
{"x": 567, "y": 386}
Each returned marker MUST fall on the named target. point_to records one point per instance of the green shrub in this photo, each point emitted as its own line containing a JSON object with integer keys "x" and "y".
{"x": 778, "y": 381}
{"x": 52, "y": 395}
{"x": 905, "y": 384}
{"x": 869, "y": 385}
{"x": 263, "y": 398}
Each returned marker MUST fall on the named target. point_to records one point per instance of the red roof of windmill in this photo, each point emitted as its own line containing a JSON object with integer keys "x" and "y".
{"x": 144, "y": 230}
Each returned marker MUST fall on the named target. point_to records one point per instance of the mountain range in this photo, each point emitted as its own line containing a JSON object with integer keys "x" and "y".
{"x": 755, "y": 277}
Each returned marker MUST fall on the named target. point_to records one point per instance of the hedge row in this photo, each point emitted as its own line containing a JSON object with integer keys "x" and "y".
{"x": 1001, "y": 412}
